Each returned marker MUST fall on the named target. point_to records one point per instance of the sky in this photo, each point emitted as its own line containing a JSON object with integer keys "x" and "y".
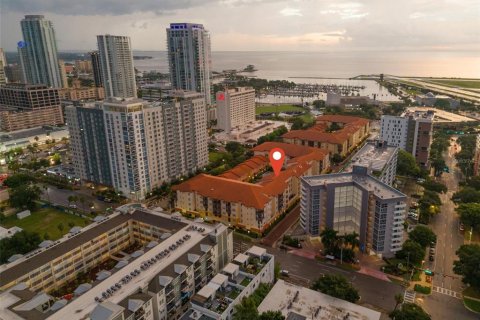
{"x": 259, "y": 25}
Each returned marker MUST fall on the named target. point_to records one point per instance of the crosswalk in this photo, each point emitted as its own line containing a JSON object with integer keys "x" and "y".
{"x": 409, "y": 296}
{"x": 447, "y": 292}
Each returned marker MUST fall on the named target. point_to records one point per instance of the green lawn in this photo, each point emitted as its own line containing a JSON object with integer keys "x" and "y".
{"x": 473, "y": 305}
{"x": 471, "y": 292}
{"x": 215, "y": 156}
{"x": 45, "y": 220}
{"x": 467, "y": 84}
{"x": 277, "y": 108}
{"x": 307, "y": 118}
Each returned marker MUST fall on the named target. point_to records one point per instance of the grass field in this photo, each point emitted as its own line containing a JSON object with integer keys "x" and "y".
{"x": 45, "y": 220}
{"x": 214, "y": 156}
{"x": 471, "y": 292}
{"x": 277, "y": 108}
{"x": 467, "y": 84}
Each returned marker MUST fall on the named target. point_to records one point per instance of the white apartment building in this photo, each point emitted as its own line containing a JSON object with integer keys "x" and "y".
{"x": 235, "y": 108}
{"x": 379, "y": 158}
{"x": 116, "y": 64}
{"x": 189, "y": 58}
{"x": 175, "y": 259}
{"x": 237, "y": 280}
{"x": 394, "y": 130}
{"x": 136, "y": 146}
{"x": 412, "y": 132}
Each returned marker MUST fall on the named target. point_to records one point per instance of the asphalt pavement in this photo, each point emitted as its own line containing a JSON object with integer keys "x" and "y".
{"x": 445, "y": 301}
{"x": 60, "y": 197}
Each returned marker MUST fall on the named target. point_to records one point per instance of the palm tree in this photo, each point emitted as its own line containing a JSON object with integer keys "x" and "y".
{"x": 398, "y": 300}
{"x": 329, "y": 238}
{"x": 352, "y": 239}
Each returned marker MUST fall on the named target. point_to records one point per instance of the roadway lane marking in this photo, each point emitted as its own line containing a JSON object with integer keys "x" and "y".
{"x": 409, "y": 296}
{"x": 447, "y": 292}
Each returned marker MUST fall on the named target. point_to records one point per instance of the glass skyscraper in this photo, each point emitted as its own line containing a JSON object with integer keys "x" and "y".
{"x": 38, "y": 52}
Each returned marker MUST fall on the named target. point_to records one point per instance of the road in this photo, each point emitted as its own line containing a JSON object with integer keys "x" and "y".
{"x": 277, "y": 232}
{"x": 302, "y": 271}
{"x": 458, "y": 92}
{"x": 445, "y": 302}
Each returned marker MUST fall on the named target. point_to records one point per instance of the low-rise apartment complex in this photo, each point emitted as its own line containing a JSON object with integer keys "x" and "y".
{"x": 355, "y": 202}
{"x": 173, "y": 258}
{"x": 336, "y": 133}
{"x": 249, "y": 196}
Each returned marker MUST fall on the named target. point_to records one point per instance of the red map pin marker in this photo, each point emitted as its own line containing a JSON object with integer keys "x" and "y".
{"x": 277, "y": 157}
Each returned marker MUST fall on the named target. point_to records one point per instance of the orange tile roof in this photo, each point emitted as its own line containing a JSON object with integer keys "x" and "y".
{"x": 318, "y": 132}
{"x": 227, "y": 187}
{"x": 246, "y": 168}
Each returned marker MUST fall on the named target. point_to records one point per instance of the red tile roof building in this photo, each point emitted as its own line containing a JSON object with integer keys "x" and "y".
{"x": 249, "y": 196}
{"x": 353, "y": 130}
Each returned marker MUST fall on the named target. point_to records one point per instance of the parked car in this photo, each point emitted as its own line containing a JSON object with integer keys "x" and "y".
{"x": 462, "y": 227}
{"x": 431, "y": 257}
{"x": 73, "y": 206}
{"x": 284, "y": 273}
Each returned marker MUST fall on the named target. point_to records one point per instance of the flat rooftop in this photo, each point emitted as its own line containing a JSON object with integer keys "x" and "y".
{"x": 442, "y": 116}
{"x": 308, "y": 301}
{"x": 81, "y": 307}
{"x": 20, "y": 267}
{"x": 372, "y": 156}
{"x": 26, "y": 133}
{"x": 367, "y": 182}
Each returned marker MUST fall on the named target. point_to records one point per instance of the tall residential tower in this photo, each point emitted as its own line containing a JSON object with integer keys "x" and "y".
{"x": 189, "y": 58}
{"x": 116, "y": 62}
{"x": 38, "y": 52}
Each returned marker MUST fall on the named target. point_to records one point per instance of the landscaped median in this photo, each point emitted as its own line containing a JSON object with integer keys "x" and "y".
{"x": 422, "y": 289}
{"x": 471, "y": 299}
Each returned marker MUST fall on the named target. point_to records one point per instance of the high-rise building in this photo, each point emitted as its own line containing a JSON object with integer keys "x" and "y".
{"x": 3, "y": 63}
{"x": 354, "y": 202}
{"x": 116, "y": 64}
{"x": 25, "y": 106}
{"x": 38, "y": 55}
{"x": 235, "y": 108}
{"x": 412, "y": 132}
{"x": 147, "y": 144}
{"x": 88, "y": 143}
{"x": 96, "y": 69}
{"x": 189, "y": 58}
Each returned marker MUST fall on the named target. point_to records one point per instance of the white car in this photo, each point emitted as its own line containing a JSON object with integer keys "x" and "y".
{"x": 73, "y": 206}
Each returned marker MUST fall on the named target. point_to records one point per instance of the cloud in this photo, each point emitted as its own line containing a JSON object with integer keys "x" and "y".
{"x": 98, "y": 7}
{"x": 347, "y": 10}
{"x": 289, "y": 12}
{"x": 417, "y": 15}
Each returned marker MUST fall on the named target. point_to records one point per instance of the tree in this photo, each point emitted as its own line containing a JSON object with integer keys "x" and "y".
{"x": 422, "y": 235}
{"x": 271, "y": 315}
{"x": 329, "y": 239}
{"x": 57, "y": 159}
{"x": 24, "y": 197}
{"x": 470, "y": 214}
{"x": 411, "y": 251}
{"x": 246, "y": 310}
{"x": 410, "y": 311}
{"x": 352, "y": 239}
{"x": 18, "y": 179}
{"x": 466, "y": 195}
{"x": 336, "y": 286}
{"x": 318, "y": 104}
{"x": 398, "y": 300}
{"x": 20, "y": 243}
{"x": 36, "y": 138}
{"x": 468, "y": 264}
{"x": 337, "y": 158}
{"x": 406, "y": 164}
{"x": 71, "y": 199}
{"x": 438, "y": 165}
{"x": 235, "y": 147}
{"x": 276, "y": 271}
{"x": 60, "y": 227}
{"x": 71, "y": 224}
{"x": 435, "y": 186}
{"x": 298, "y": 123}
